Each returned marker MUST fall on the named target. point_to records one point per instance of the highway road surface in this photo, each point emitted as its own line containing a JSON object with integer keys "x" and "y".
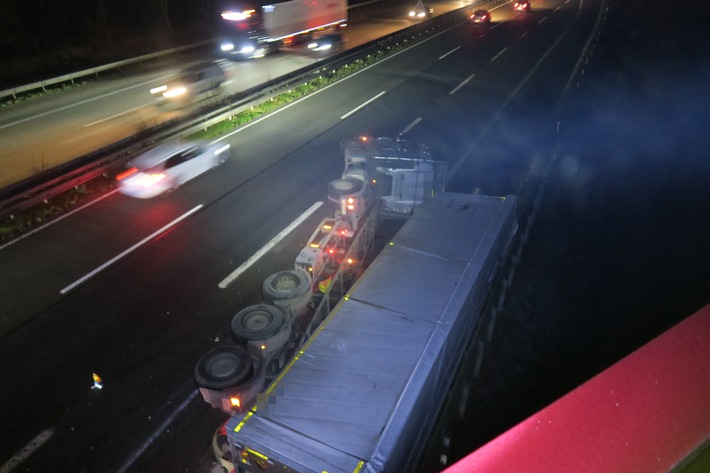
{"x": 128, "y": 289}
{"x": 49, "y": 130}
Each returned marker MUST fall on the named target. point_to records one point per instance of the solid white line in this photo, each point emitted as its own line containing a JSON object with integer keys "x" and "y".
{"x": 58, "y": 219}
{"x": 140, "y": 243}
{"x": 27, "y": 450}
{"x": 499, "y": 54}
{"x": 81, "y": 102}
{"x": 453, "y": 50}
{"x": 114, "y": 116}
{"x": 466, "y": 81}
{"x": 265, "y": 249}
{"x": 410, "y": 126}
{"x": 157, "y": 432}
{"x": 363, "y": 105}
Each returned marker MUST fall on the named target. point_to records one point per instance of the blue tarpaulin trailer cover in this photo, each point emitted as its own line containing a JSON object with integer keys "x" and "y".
{"x": 363, "y": 393}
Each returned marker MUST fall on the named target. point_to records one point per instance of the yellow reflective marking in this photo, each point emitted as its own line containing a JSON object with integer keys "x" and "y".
{"x": 257, "y": 454}
{"x": 359, "y": 466}
{"x": 241, "y": 424}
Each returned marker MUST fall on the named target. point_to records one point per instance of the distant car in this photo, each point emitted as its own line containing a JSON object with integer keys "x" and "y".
{"x": 522, "y": 5}
{"x": 168, "y": 166}
{"x": 192, "y": 84}
{"x": 481, "y": 16}
{"x": 420, "y": 12}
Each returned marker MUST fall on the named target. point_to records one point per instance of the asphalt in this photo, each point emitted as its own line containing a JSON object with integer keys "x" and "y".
{"x": 619, "y": 252}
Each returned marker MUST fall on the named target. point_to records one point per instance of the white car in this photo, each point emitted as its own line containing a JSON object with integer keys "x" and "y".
{"x": 168, "y": 166}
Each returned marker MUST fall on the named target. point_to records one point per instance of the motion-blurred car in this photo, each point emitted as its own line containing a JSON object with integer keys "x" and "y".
{"x": 327, "y": 43}
{"x": 192, "y": 84}
{"x": 420, "y": 11}
{"x": 168, "y": 166}
{"x": 481, "y": 16}
{"x": 522, "y": 5}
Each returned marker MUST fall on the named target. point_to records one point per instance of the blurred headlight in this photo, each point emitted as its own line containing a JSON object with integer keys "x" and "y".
{"x": 226, "y": 46}
{"x": 158, "y": 90}
{"x": 176, "y": 92}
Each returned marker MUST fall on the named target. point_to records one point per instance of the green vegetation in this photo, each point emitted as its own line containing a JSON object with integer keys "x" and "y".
{"x": 291, "y": 95}
{"x": 26, "y": 220}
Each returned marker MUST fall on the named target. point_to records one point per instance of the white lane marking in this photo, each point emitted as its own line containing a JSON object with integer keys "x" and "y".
{"x": 466, "y": 81}
{"x": 524, "y": 34}
{"x": 499, "y": 54}
{"x": 363, "y": 105}
{"x": 27, "y": 450}
{"x": 470, "y": 150}
{"x": 129, "y": 250}
{"x": 542, "y": 19}
{"x": 453, "y": 50}
{"x": 558, "y": 8}
{"x": 157, "y": 432}
{"x": 495, "y": 26}
{"x": 410, "y": 126}
{"x": 115, "y": 116}
{"x": 81, "y": 102}
{"x": 281, "y": 109}
{"x": 58, "y": 219}
{"x": 265, "y": 249}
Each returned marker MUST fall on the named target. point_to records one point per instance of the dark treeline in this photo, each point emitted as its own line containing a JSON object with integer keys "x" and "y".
{"x": 45, "y": 37}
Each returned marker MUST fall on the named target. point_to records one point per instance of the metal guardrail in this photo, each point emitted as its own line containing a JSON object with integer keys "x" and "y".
{"x": 34, "y": 190}
{"x": 94, "y": 71}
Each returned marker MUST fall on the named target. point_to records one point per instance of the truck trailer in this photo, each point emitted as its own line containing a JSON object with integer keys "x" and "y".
{"x": 363, "y": 393}
{"x": 255, "y": 29}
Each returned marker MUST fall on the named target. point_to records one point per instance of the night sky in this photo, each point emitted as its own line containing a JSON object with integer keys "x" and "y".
{"x": 44, "y": 38}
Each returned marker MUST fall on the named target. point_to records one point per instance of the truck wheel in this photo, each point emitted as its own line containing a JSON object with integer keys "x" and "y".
{"x": 291, "y": 290}
{"x": 257, "y": 322}
{"x": 285, "y": 285}
{"x": 224, "y": 367}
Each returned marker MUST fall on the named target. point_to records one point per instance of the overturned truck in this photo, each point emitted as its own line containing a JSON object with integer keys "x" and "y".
{"x": 338, "y": 367}
{"x": 364, "y": 391}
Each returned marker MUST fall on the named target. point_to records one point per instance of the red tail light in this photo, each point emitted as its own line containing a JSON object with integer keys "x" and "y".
{"x": 127, "y": 173}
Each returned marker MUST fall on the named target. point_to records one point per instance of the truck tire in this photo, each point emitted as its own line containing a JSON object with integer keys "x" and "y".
{"x": 339, "y": 188}
{"x": 257, "y": 322}
{"x": 224, "y": 367}
{"x": 291, "y": 290}
{"x": 285, "y": 285}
